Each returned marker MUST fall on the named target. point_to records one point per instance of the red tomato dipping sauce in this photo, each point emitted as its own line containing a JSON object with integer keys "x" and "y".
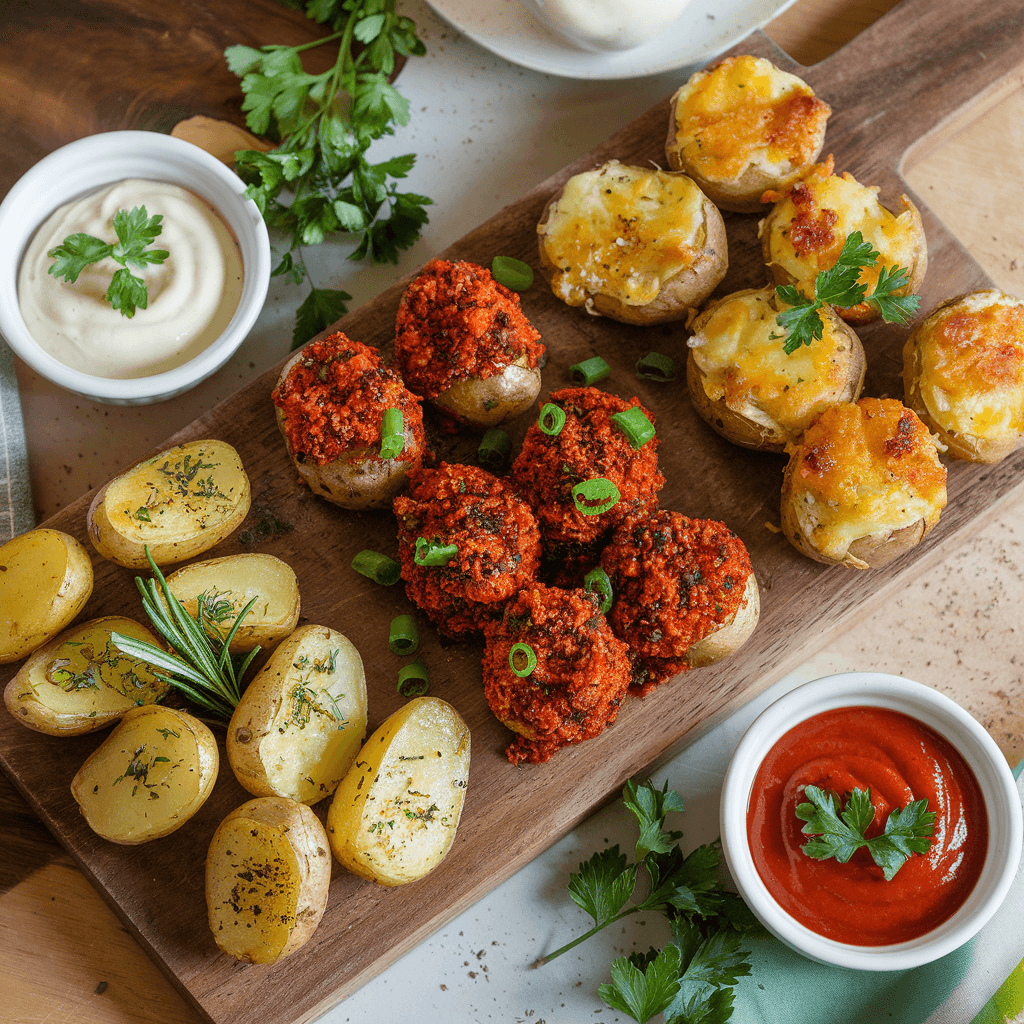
{"x": 900, "y": 760}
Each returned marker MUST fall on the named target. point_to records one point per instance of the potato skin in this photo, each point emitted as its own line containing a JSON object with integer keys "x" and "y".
{"x": 486, "y": 402}
{"x": 731, "y": 635}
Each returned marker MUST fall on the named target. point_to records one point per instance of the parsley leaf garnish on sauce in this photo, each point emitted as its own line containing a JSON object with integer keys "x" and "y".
{"x": 840, "y": 835}
{"x": 135, "y": 230}
{"x": 840, "y": 286}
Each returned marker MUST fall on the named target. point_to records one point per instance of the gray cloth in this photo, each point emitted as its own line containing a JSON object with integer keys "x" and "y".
{"x": 16, "y": 514}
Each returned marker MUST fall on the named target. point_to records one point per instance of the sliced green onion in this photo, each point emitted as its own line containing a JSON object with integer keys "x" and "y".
{"x": 597, "y": 581}
{"x": 377, "y": 567}
{"x": 592, "y": 497}
{"x": 413, "y": 680}
{"x": 512, "y": 273}
{"x": 433, "y": 552}
{"x": 590, "y": 371}
{"x": 552, "y": 419}
{"x": 655, "y": 366}
{"x": 403, "y": 637}
{"x": 522, "y": 659}
{"x": 635, "y": 425}
{"x": 392, "y": 433}
{"x": 494, "y": 448}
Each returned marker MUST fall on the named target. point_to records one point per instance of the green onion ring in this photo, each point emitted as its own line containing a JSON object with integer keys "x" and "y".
{"x": 635, "y": 425}
{"x": 494, "y": 448}
{"x": 377, "y": 567}
{"x": 552, "y": 419}
{"x": 597, "y": 581}
{"x": 655, "y": 366}
{"x": 392, "y": 433}
{"x": 526, "y": 661}
{"x": 593, "y": 497}
{"x": 404, "y": 636}
{"x": 514, "y": 274}
{"x": 590, "y": 371}
{"x": 433, "y": 552}
{"x": 413, "y": 680}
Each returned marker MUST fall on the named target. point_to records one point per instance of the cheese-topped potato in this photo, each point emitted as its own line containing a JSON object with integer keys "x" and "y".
{"x": 744, "y": 126}
{"x": 963, "y": 371}
{"x": 635, "y": 244}
{"x": 863, "y": 485}
{"x": 807, "y": 227}
{"x": 745, "y": 385}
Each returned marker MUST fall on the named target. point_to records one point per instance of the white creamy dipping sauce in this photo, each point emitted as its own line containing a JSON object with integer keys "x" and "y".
{"x": 192, "y": 295}
{"x": 610, "y": 24}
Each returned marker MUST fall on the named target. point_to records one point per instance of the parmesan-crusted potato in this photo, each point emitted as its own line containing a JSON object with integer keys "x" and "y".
{"x": 268, "y": 872}
{"x": 863, "y": 485}
{"x": 744, "y": 126}
{"x": 636, "y": 244}
{"x": 47, "y": 578}
{"x": 963, "y": 374}
{"x": 394, "y": 816}
{"x": 180, "y": 503}
{"x": 80, "y": 682}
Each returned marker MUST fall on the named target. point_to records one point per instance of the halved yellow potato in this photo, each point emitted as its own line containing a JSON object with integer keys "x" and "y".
{"x": 80, "y": 682}
{"x": 47, "y": 578}
{"x": 148, "y": 777}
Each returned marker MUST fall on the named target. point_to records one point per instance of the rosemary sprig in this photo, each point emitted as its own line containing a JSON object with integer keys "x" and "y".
{"x": 204, "y": 670}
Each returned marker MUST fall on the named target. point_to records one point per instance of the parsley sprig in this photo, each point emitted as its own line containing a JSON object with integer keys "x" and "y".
{"x": 324, "y": 124}
{"x": 135, "y": 230}
{"x": 840, "y": 286}
{"x": 690, "y": 979}
{"x": 840, "y": 835}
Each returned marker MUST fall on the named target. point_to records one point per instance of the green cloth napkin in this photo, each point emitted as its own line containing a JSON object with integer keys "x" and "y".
{"x": 16, "y": 515}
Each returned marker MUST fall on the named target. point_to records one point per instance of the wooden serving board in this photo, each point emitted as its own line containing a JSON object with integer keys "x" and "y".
{"x": 914, "y": 73}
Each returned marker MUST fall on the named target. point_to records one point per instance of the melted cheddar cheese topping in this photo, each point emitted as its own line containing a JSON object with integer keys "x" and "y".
{"x": 622, "y": 232}
{"x": 864, "y": 470}
{"x": 746, "y": 112}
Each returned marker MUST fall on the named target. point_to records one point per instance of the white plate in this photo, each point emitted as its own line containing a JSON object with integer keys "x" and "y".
{"x": 705, "y": 29}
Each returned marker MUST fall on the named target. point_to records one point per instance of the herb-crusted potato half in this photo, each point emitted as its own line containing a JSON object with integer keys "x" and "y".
{"x": 742, "y": 127}
{"x": 148, "y": 777}
{"x": 299, "y": 724}
{"x": 228, "y": 584}
{"x": 268, "y": 872}
{"x": 80, "y": 682}
{"x": 747, "y": 387}
{"x": 636, "y": 244}
{"x": 394, "y": 816}
{"x": 963, "y": 374}
{"x": 181, "y": 503}
{"x": 863, "y": 485}
{"x": 47, "y": 578}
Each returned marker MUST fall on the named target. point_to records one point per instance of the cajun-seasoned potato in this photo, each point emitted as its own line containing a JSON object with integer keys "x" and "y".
{"x": 636, "y": 244}
{"x": 963, "y": 374}
{"x": 863, "y": 485}
{"x": 744, "y": 126}
{"x": 394, "y": 816}
{"x": 299, "y": 724}
{"x": 268, "y": 872}
{"x": 745, "y": 385}
{"x": 732, "y": 634}
{"x": 80, "y": 682}
{"x": 180, "y": 503}
{"x": 148, "y": 777}
{"x": 228, "y": 584}
{"x": 47, "y": 578}
{"x": 485, "y": 402}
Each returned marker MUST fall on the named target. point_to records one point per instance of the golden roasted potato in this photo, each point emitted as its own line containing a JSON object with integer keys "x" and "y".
{"x": 180, "y": 503}
{"x": 807, "y": 227}
{"x": 228, "y": 584}
{"x": 963, "y": 374}
{"x": 148, "y": 777}
{"x": 268, "y": 872}
{"x": 745, "y": 385}
{"x": 80, "y": 682}
{"x": 744, "y": 126}
{"x": 394, "y": 816}
{"x": 639, "y": 245}
{"x": 46, "y": 580}
{"x": 863, "y": 485}
{"x": 300, "y": 722}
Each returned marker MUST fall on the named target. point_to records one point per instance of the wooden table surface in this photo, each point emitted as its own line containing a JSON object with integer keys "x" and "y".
{"x": 67, "y": 958}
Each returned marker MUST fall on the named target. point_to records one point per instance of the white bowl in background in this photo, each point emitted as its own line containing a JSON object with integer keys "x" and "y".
{"x": 87, "y": 165}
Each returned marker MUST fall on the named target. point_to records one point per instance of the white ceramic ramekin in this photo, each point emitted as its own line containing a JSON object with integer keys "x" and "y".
{"x": 87, "y": 165}
{"x": 947, "y": 718}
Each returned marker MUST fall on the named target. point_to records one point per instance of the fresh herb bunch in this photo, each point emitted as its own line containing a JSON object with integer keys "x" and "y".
{"x": 204, "y": 670}
{"x": 839, "y": 835}
{"x": 135, "y": 230}
{"x": 691, "y": 979}
{"x": 840, "y": 286}
{"x": 324, "y": 125}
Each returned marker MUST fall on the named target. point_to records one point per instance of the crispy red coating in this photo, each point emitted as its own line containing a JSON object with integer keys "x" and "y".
{"x": 455, "y": 322}
{"x": 579, "y": 681}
